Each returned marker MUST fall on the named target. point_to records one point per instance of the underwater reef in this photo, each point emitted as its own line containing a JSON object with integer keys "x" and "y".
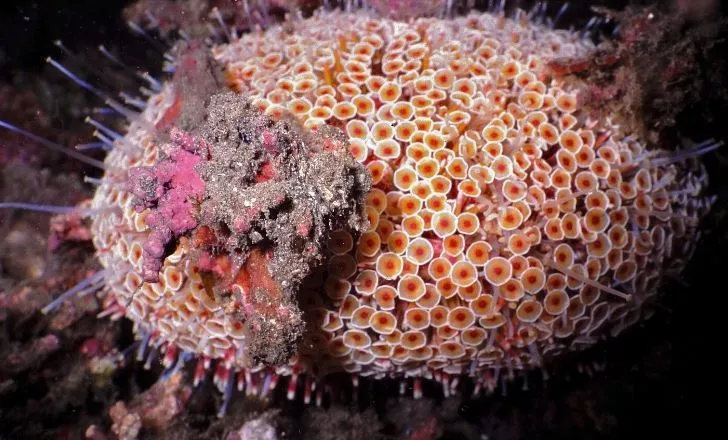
{"x": 374, "y": 220}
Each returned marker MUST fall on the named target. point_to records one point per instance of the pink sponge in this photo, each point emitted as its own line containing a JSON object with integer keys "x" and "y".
{"x": 167, "y": 189}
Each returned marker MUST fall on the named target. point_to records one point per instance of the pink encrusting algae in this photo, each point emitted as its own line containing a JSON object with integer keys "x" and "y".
{"x": 505, "y": 225}
{"x": 170, "y": 213}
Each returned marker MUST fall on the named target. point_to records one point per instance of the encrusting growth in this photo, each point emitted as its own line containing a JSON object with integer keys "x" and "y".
{"x": 238, "y": 212}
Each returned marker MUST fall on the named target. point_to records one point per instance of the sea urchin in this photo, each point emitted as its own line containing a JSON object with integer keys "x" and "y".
{"x": 425, "y": 198}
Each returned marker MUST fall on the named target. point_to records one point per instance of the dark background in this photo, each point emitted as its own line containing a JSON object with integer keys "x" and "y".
{"x": 28, "y": 29}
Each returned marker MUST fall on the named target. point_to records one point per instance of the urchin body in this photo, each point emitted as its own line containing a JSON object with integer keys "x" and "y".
{"x": 505, "y": 224}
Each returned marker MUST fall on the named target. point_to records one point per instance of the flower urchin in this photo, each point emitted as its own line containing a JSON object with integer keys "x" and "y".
{"x": 505, "y": 225}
